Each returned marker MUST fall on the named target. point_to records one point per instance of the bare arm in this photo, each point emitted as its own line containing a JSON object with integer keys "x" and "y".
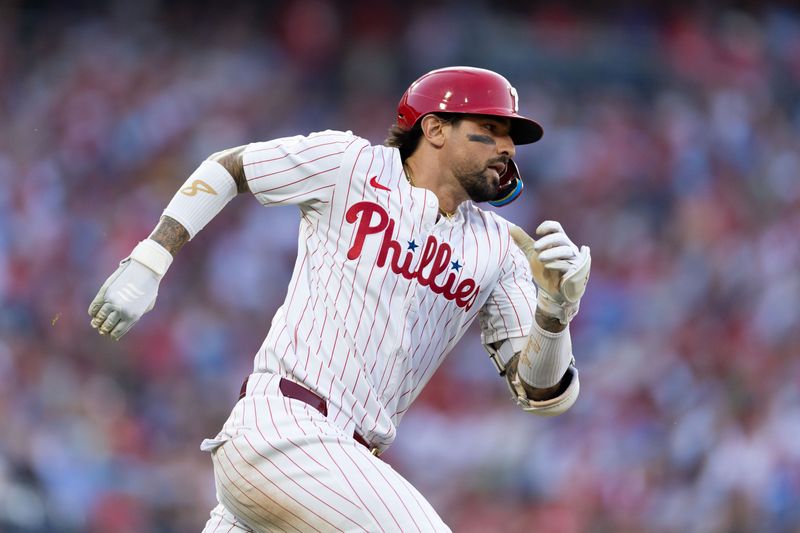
{"x": 170, "y": 234}
{"x": 232, "y": 160}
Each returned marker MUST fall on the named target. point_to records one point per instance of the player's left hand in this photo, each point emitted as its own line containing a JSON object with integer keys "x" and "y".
{"x": 126, "y": 295}
{"x": 560, "y": 269}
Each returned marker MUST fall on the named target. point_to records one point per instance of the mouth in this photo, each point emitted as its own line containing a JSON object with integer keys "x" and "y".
{"x": 499, "y": 168}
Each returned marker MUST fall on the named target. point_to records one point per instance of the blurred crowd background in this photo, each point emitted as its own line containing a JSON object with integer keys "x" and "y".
{"x": 671, "y": 147}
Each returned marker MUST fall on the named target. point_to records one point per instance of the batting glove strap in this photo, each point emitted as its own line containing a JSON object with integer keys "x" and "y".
{"x": 152, "y": 255}
{"x": 558, "y": 308}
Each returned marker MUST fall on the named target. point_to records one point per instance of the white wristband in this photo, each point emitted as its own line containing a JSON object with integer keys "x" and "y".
{"x": 202, "y": 197}
{"x": 545, "y": 358}
{"x": 152, "y": 255}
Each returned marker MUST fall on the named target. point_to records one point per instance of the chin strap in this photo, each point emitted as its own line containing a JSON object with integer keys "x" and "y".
{"x": 510, "y": 186}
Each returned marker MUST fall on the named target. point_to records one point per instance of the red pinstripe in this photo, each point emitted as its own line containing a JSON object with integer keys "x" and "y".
{"x": 235, "y": 507}
{"x": 290, "y": 139}
{"x": 333, "y": 350}
{"x": 298, "y": 180}
{"x": 389, "y": 401}
{"x": 374, "y": 490}
{"x": 266, "y": 478}
{"x": 499, "y": 312}
{"x": 403, "y": 503}
{"x": 330, "y": 388}
{"x": 276, "y": 518}
{"x": 313, "y": 459}
{"x": 436, "y": 354}
{"x": 519, "y": 287}
{"x": 316, "y": 301}
{"x": 513, "y": 307}
{"x": 347, "y": 195}
{"x": 341, "y": 223}
{"x": 306, "y": 472}
{"x": 485, "y": 261}
{"x": 358, "y": 264}
{"x": 298, "y": 165}
{"x": 397, "y": 279}
{"x": 288, "y": 477}
{"x": 298, "y": 195}
{"x": 414, "y": 497}
{"x": 347, "y": 480}
{"x": 354, "y": 388}
{"x": 294, "y": 153}
{"x": 272, "y": 419}
{"x": 372, "y": 270}
{"x": 219, "y": 522}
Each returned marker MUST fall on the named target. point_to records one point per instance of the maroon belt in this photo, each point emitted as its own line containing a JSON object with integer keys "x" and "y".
{"x": 290, "y": 389}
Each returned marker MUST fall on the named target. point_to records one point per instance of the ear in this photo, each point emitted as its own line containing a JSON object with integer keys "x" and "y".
{"x": 433, "y": 130}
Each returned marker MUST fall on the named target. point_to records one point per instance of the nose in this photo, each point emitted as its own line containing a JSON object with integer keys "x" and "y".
{"x": 506, "y": 146}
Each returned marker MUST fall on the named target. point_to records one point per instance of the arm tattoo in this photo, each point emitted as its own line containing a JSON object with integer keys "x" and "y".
{"x": 549, "y": 323}
{"x": 231, "y": 159}
{"x": 170, "y": 234}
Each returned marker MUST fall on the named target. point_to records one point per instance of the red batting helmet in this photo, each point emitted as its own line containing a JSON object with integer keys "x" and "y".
{"x": 473, "y": 91}
{"x": 467, "y": 90}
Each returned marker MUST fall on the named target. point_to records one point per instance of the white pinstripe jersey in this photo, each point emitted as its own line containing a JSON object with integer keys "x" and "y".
{"x": 381, "y": 290}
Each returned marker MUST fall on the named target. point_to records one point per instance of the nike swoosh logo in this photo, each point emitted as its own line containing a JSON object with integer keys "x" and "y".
{"x": 374, "y": 182}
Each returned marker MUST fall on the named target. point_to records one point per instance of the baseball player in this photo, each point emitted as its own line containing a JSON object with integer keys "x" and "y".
{"x": 395, "y": 260}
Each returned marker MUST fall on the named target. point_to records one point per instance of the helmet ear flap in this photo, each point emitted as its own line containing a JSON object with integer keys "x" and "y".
{"x": 510, "y": 186}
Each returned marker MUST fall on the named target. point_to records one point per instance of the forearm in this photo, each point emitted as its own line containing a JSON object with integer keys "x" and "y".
{"x": 540, "y": 363}
{"x": 170, "y": 234}
{"x": 131, "y": 290}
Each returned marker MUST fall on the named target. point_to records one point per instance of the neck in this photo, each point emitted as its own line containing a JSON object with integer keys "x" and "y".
{"x": 448, "y": 191}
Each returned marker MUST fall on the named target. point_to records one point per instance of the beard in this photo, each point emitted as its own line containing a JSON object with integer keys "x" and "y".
{"x": 478, "y": 186}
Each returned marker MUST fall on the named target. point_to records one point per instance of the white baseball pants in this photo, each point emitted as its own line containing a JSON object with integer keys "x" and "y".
{"x": 285, "y": 467}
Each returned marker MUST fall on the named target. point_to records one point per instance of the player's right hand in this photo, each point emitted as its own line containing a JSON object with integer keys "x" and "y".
{"x": 126, "y": 295}
{"x": 560, "y": 269}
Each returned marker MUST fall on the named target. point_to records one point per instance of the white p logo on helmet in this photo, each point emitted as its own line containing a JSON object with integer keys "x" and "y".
{"x": 514, "y": 98}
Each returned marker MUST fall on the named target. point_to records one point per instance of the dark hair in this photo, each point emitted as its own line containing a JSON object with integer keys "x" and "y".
{"x": 407, "y": 140}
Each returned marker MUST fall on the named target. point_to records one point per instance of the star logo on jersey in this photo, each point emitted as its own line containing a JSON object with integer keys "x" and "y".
{"x": 198, "y": 186}
{"x": 412, "y": 245}
{"x": 380, "y": 186}
{"x": 455, "y": 265}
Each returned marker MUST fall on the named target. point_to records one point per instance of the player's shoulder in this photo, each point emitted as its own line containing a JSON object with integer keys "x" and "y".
{"x": 326, "y": 139}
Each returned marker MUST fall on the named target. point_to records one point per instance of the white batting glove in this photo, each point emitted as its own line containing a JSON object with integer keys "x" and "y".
{"x": 560, "y": 269}
{"x": 130, "y": 291}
